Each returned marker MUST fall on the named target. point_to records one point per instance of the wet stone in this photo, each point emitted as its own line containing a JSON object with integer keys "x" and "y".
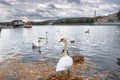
{"x": 114, "y": 75}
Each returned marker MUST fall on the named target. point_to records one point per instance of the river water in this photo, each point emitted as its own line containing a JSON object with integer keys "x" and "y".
{"x": 101, "y": 45}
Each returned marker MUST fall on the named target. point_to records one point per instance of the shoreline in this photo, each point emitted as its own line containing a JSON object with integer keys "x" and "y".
{"x": 6, "y": 27}
{"x": 96, "y": 24}
{"x": 106, "y": 23}
{"x": 42, "y": 70}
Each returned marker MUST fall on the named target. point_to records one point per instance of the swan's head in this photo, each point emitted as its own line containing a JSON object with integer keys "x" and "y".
{"x": 39, "y": 39}
{"x": 63, "y": 40}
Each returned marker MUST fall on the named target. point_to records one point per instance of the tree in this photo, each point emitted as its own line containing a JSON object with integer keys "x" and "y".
{"x": 118, "y": 14}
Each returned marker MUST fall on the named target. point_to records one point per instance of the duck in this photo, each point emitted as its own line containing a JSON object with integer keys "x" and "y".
{"x": 76, "y": 56}
{"x": 72, "y": 41}
{"x": 65, "y": 62}
{"x": 87, "y": 31}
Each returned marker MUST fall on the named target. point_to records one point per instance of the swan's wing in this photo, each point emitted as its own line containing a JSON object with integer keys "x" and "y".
{"x": 35, "y": 43}
{"x": 64, "y": 63}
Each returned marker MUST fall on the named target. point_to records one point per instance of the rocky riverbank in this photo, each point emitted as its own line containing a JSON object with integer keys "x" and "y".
{"x": 16, "y": 69}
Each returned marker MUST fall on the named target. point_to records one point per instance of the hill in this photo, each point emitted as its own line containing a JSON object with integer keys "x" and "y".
{"x": 111, "y": 18}
{"x": 67, "y": 21}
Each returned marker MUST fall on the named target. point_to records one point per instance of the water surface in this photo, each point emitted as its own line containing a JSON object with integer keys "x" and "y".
{"x": 101, "y": 45}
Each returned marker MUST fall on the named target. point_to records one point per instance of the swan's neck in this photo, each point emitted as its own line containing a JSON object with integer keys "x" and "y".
{"x": 46, "y": 36}
{"x": 65, "y": 49}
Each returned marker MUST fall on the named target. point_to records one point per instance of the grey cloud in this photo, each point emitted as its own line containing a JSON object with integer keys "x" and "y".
{"x": 76, "y": 1}
{"x": 51, "y": 9}
{"x": 112, "y": 1}
{"x": 52, "y": 6}
{"x": 80, "y": 10}
{"x": 40, "y": 10}
{"x": 28, "y": 15}
{"x": 5, "y": 3}
{"x": 36, "y": 1}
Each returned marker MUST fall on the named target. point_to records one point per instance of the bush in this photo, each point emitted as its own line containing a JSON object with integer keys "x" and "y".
{"x": 118, "y": 14}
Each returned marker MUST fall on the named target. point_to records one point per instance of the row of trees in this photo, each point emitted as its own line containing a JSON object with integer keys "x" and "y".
{"x": 66, "y": 21}
{"x": 118, "y": 14}
{"x": 75, "y": 21}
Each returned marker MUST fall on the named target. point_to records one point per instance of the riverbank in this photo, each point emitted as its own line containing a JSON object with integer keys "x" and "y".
{"x": 3, "y": 26}
{"x": 8, "y": 27}
{"x": 107, "y": 23}
{"x": 96, "y": 24}
{"x": 45, "y": 70}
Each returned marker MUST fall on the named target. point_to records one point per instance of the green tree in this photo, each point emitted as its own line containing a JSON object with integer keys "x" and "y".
{"x": 118, "y": 14}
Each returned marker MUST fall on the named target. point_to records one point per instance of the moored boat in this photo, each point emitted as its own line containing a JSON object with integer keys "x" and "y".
{"x": 27, "y": 25}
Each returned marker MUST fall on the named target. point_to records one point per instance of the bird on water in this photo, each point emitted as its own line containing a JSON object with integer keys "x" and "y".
{"x": 87, "y": 31}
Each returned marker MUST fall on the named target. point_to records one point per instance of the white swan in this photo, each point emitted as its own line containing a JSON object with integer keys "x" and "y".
{"x": 46, "y": 34}
{"x": 36, "y": 43}
{"x": 44, "y": 37}
{"x": 65, "y": 62}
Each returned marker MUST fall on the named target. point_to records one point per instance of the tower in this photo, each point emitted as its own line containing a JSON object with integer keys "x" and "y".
{"x": 95, "y": 16}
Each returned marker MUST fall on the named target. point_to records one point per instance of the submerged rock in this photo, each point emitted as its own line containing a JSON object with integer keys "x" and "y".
{"x": 118, "y": 60}
{"x": 114, "y": 75}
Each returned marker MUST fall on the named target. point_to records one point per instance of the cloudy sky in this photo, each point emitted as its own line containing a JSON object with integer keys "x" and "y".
{"x": 55, "y": 9}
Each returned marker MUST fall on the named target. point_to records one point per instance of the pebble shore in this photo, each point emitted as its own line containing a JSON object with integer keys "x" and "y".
{"x": 16, "y": 69}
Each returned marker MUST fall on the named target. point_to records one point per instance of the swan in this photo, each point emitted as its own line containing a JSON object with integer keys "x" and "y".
{"x": 44, "y": 37}
{"x": 36, "y": 43}
{"x": 65, "y": 62}
{"x": 46, "y": 34}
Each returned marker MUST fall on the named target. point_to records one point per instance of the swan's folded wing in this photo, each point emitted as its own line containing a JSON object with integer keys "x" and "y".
{"x": 64, "y": 63}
